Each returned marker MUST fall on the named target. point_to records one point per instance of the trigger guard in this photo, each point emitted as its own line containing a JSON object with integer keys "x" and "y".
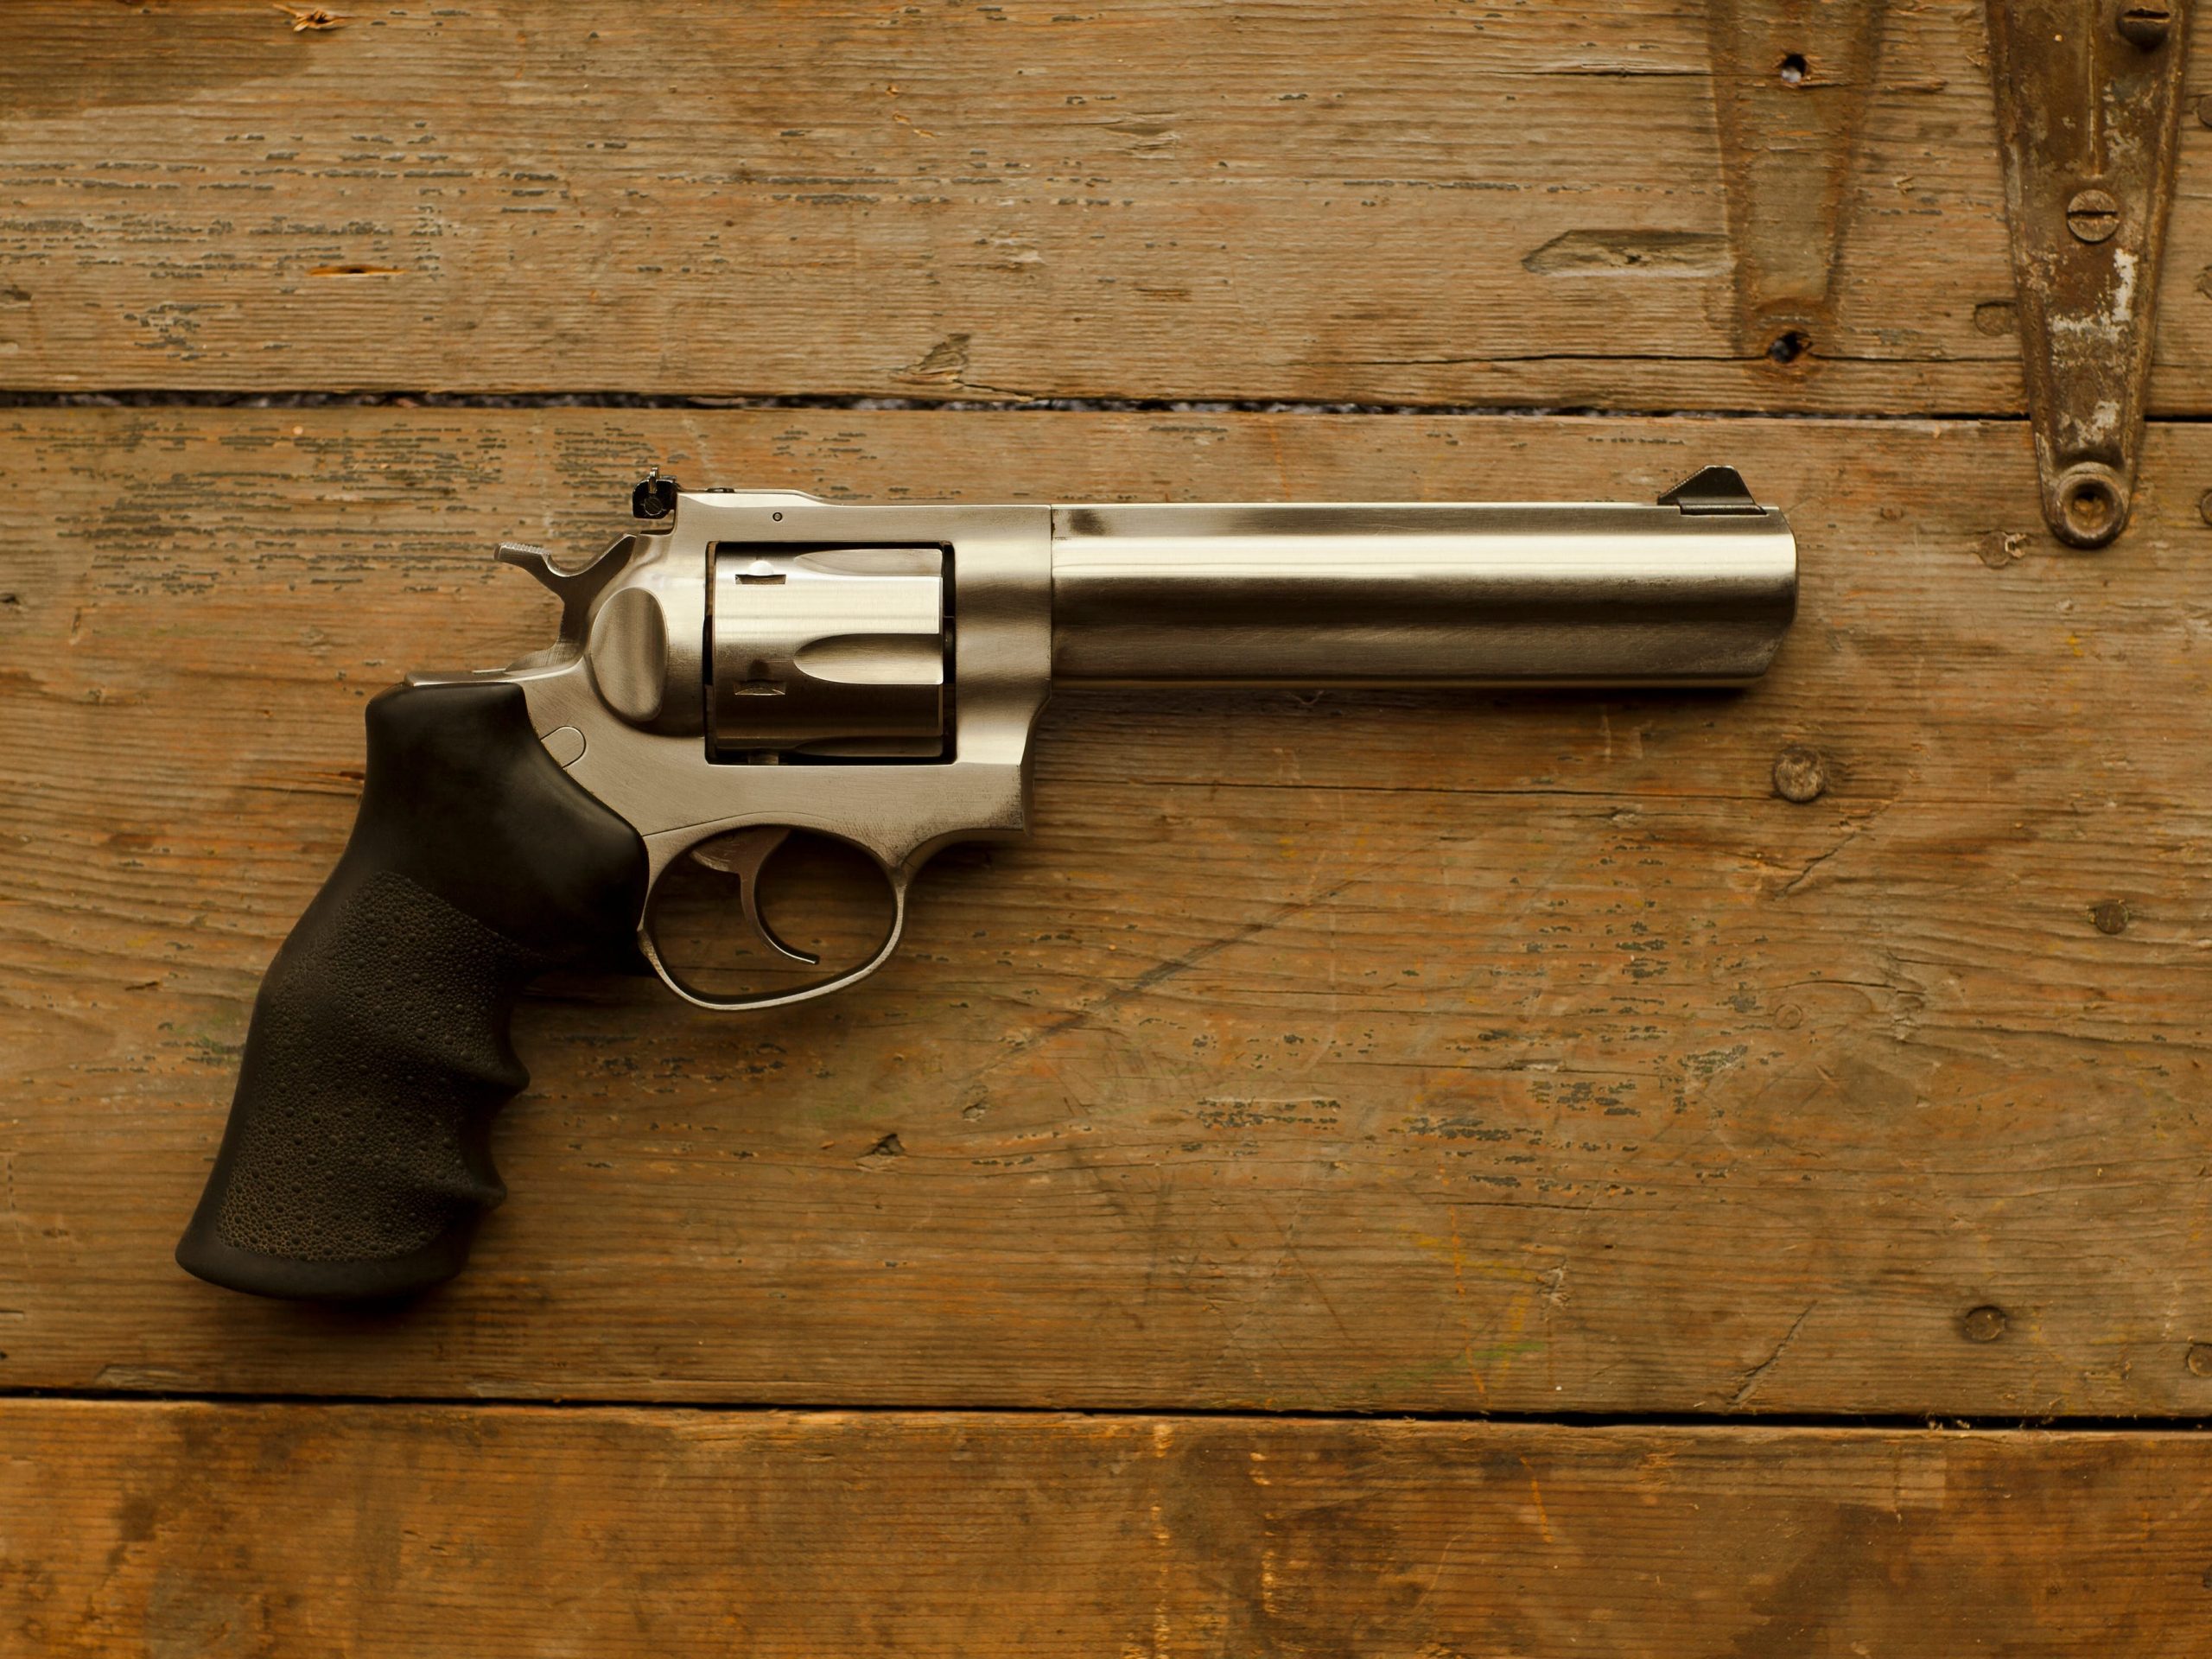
{"x": 755, "y": 1001}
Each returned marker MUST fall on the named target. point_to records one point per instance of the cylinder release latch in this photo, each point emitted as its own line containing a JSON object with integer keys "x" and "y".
{"x": 835, "y": 652}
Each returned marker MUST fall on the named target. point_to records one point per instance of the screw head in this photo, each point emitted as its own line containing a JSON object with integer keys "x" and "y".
{"x": 2093, "y": 215}
{"x": 2145, "y": 24}
{"x": 1983, "y": 1323}
{"x": 1801, "y": 774}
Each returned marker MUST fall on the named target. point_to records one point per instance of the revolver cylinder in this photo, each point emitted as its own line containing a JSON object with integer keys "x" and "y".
{"x": 838, "y": 652}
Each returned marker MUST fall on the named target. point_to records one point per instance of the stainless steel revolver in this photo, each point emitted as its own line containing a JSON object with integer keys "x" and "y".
{"x": 763, "y": 662}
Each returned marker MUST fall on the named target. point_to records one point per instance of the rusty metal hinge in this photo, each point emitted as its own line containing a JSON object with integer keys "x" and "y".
{"x": 1791, "y": 82}
{"x": 2087, "y": 97}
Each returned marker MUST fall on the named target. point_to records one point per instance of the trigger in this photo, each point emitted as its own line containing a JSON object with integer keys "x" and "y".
{"x": 743, "y": 852}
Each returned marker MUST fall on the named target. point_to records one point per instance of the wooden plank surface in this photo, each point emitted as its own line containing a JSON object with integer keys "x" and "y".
{"x": 1516, "y": 204}
{"x": 1371, "y": 1050}
{"x": 204, "y": 1528}
{"x": 1352, "y": 1053}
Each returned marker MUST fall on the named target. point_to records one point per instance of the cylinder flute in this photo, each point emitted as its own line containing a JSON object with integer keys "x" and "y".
{"x": 758, "y": 663}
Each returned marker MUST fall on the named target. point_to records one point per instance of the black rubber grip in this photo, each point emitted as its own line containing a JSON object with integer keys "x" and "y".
{"x": 356, "y": 1163}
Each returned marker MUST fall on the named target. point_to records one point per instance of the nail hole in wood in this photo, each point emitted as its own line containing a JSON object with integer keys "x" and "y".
{"x": 1789, "y": 346}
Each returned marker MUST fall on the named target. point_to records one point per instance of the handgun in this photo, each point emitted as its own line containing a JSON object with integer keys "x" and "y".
{"x": 753, "y": 667}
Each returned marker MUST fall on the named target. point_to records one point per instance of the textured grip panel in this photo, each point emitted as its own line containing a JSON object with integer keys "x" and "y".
{"x": 356, "y": 1162}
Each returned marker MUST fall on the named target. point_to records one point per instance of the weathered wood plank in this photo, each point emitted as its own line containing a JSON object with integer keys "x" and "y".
{"x": 1372, "y": 1051}
{"x": 404, "y": 1530}
{"x": 1517, "y": 204}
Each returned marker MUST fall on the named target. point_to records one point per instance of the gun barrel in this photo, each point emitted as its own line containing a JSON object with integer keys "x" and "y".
{"x": 1414, "y": 594}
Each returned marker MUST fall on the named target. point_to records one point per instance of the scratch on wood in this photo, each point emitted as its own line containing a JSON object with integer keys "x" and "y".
{"x": 1850, "y": 834}
{"x": 1756, "y": 1375}
{"x": 1459, "y": 1299}
{"x": 1852, "y": 831}
{"x": 305, "y": 18}
{"x": 1681, "y": 252}
{"x": 1159, "y": 974}
{"x": 945, "y": 364}
{"x": 1536, "y": 1498}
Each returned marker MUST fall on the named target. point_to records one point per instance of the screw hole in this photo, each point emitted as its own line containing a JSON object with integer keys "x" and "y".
{"x": 2145, "y": 27}
{"x": 1789, "y": 346}
{"x": 778, "y": 517}
{"x": 2089, "y": 505}
{"x": 1795, "y": 69}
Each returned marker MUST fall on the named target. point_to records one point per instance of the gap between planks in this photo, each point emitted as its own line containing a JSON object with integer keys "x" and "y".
{"x": 165, "y": 397}
{"x": 1868, "y": 1423}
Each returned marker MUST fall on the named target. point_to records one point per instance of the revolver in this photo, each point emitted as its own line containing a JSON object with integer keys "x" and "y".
{"x": 758, "y": 662}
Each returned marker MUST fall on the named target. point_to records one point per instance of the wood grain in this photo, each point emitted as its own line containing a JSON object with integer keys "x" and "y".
{"x": 202, "y": 1529}
{"x": 1368, "y": 1050}
{"x": 1352, "y": 1053}
{"x": 1393, "y": 202}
